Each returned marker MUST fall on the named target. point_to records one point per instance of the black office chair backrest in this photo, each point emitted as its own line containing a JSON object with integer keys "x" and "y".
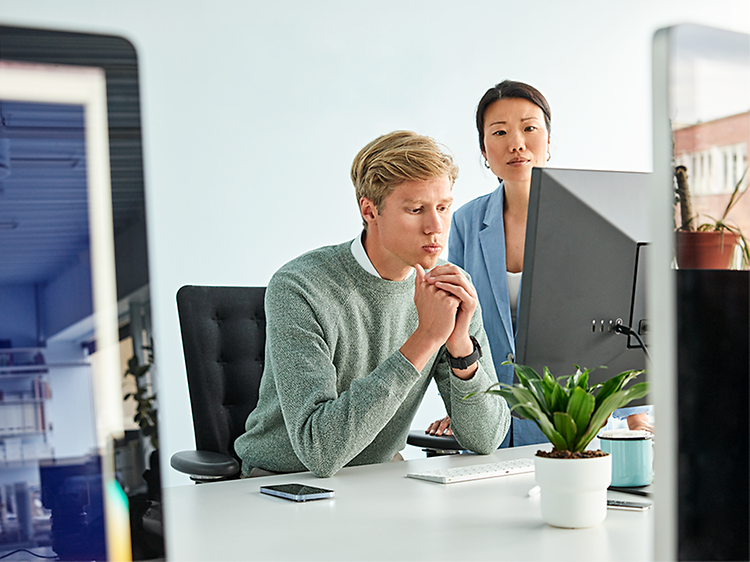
{"x": 223, "y": 338}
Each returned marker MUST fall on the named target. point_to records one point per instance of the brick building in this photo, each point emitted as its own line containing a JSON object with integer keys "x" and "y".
{"x": 715, "y": 155}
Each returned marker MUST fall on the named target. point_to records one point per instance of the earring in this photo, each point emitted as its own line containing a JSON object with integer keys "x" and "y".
{"x": 548, "y": 156}
{"x": 486, "y": 164}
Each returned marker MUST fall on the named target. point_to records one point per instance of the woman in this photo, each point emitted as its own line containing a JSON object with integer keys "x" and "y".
{"x": 487, "y": 234}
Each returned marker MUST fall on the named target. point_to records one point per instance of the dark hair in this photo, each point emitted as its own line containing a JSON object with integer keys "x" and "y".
{"x": 508, "y": 89}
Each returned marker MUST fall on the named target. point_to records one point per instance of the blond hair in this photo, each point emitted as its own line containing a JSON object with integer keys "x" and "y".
{"x": 395, "y": 158}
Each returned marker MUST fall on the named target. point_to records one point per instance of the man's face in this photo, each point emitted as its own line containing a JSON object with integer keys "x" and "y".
{"x": 411, "y": 229}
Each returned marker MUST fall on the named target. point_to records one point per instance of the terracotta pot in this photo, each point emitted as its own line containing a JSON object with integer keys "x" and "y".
{"x": 573, "y": 491}
{"x": 705, "y": 250}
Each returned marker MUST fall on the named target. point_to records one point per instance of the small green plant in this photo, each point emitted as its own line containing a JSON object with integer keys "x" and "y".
{"x": 145, "y": 411}
{"x": 568, "y": 411}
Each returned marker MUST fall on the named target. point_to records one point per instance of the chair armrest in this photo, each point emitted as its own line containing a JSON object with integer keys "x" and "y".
{"x": 440, "y": 443}
{"x": 205, "y": 466}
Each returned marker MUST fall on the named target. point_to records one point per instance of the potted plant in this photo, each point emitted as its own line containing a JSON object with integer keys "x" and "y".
{"x": 570, "y": 413}
{"x": 708, "y": 245}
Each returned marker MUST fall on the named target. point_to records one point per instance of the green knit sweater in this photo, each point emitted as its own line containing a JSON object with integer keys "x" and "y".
{"x": 336, "y": 390}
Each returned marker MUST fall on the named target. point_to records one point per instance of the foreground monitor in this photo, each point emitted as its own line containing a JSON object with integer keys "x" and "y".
{"x": 584, "y": 273}
{"x": 701, "y": 317}
{"x": 61, "y": 399}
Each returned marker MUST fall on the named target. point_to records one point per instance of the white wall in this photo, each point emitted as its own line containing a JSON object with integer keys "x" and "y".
{"x": 253, "y": 111}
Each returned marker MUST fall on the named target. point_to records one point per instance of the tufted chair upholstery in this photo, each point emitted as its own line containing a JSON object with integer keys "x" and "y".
{"x": 223, "y": 338}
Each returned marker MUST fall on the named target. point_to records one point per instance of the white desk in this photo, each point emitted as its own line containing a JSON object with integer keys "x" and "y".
{"x": 379, "y": 514}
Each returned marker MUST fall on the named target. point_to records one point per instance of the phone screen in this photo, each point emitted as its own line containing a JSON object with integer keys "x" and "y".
{"x": 297, "y": 492}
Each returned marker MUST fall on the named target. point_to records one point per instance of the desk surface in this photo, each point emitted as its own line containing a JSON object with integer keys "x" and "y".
{"x": 379, "y": 514}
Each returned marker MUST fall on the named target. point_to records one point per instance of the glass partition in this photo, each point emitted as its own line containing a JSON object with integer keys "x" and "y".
{"x": 700, "y": 293}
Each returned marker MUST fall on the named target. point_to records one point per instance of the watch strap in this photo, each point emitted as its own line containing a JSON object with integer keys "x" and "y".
{"x": 462, "y": 363}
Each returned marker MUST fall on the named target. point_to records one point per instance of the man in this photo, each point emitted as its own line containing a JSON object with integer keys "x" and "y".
{"x": 356, "y": 331}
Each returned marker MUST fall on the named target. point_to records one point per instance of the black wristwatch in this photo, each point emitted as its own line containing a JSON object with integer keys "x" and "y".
{"x": 462, "y": 363}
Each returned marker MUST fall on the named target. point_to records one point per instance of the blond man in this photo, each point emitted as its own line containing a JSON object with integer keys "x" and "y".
{"x": 356, "y": 331}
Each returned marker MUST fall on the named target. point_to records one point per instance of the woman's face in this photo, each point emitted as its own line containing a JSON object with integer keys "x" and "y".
{"x": 515, "y": 139}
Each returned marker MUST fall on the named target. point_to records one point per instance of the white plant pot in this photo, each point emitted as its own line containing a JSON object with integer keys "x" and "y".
{"x": 573, "y": 491}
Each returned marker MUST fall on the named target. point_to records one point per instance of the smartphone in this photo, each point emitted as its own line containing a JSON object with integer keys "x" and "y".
{"x": 297, "y": 492}
{"x": 631, "y": 506}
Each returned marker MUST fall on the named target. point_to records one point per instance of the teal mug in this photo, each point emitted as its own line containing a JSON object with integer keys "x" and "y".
{"x": 632, "y": 456}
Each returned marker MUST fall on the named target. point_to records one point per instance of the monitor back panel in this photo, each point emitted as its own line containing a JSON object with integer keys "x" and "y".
{"x": 583, "y": 272}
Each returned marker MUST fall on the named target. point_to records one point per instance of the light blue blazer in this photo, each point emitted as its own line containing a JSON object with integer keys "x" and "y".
{"x": 477, "y": 245}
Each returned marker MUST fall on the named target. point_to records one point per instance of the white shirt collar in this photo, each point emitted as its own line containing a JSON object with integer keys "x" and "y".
{"x": 359, "y": 253}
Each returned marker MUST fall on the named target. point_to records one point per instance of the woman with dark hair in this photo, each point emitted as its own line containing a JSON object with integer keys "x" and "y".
{"x": 488, "y": 234}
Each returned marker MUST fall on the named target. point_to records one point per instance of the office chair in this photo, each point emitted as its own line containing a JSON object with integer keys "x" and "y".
{"x": 223, "y": 339}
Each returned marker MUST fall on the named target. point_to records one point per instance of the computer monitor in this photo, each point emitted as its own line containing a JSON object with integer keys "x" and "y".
{"x": 584, "y": 273}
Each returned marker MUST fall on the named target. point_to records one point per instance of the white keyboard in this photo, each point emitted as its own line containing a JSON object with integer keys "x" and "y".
{"x": 475, "y": 472}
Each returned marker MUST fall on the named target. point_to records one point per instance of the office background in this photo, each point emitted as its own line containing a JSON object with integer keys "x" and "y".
{"x": 252, "y": 112}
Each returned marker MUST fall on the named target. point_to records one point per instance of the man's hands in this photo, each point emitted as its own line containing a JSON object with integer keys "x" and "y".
{"x": 437, "y": 308}
{"x": 449, "y": 278}
{"x": 445, "y": 301}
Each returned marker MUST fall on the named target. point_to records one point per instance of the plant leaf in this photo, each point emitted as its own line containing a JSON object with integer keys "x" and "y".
{"x": 736, "y": 194}
{"x": 583, "y": 379}
{"x": 531, "y": 380}
{"x": 571, "y": 381}
{"x": 524, "y": 402}
{"x": 528, "y": 372}
{"x": 580, "y": 408}
{"x": 614, "y": 384}
{"x": 546, "y": 426}
{"x": 524, "y": 411}
{"x": 549, "y": 384}
{"x": 566, "y": 427}
{"x": 519, "y": 395}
